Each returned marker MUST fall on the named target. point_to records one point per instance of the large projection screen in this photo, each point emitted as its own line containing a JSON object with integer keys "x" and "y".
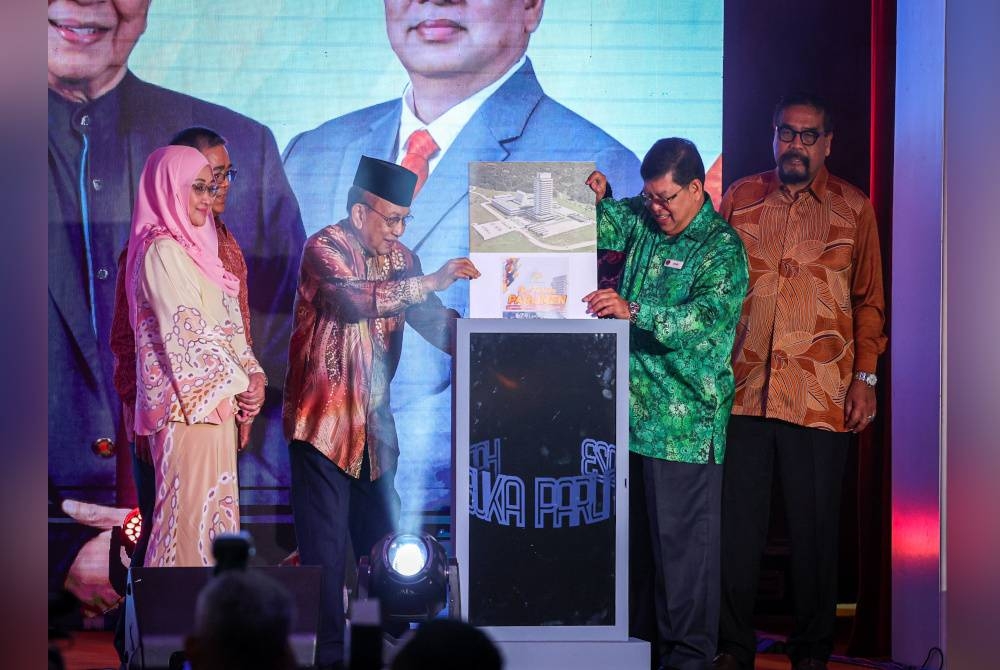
{"x": 637, "y": 70}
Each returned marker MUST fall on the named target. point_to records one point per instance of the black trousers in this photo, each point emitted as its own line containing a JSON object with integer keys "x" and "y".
{"x": 641, "y": 571}
{"x": 683, "y": 504}
{"x": 810, "y": 465}
{"x": 329, "y": 506}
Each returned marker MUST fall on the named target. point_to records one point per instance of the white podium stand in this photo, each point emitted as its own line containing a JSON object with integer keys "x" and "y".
{"x": 540, "y": 525}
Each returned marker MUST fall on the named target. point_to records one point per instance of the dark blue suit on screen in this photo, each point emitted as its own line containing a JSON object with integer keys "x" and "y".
{"x": 517, "y": 123}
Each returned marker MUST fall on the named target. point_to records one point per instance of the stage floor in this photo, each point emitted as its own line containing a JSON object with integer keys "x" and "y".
{"x": 92, "y": 650}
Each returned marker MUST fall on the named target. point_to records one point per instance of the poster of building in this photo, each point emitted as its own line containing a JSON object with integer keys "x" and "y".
{"x": 533, "y": 235}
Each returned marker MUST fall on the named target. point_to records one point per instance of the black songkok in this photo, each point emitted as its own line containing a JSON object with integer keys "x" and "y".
{"x": 386, "y": 180}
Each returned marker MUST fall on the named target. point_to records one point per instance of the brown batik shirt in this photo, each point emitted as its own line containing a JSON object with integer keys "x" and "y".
{"x": 347, "y": 335}
{"x": 815, "y": 311}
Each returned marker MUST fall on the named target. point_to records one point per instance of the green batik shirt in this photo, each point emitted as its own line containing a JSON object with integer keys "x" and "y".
{"x": 690, "y": 289}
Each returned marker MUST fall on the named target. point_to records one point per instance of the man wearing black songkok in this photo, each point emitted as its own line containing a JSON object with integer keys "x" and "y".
{"x": 358, "y": 285}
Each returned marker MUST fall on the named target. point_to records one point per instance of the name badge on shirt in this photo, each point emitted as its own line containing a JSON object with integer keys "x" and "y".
{"x": 671, "y": 263}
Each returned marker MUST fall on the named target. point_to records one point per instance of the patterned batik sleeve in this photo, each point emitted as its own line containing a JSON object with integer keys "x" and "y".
{"x": 184, "y": 356}
{"x": 333, "y": 265}
{"x": 867, "y": 297}
{"x": 713, "y": 305}
{"x": 430, "y": 318}
{"x": 241, "y": 338}
{"x": 122, "y": 342}
{"x": 615, "y": 221}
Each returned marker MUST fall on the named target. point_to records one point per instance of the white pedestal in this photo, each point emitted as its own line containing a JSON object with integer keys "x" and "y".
{"x": 632, "y": 654}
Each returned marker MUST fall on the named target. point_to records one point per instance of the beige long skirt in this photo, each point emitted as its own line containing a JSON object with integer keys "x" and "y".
{"x": 197, "y": 493}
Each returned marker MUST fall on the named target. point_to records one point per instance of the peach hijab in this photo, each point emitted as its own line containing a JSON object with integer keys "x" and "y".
{"x": 161, "y": 210}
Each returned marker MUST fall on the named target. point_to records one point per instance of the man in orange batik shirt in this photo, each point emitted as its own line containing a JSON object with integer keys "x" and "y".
{"x": 806, "y": 347}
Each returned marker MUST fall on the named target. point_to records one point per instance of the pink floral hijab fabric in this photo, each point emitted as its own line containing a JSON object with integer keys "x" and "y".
{"x": 161, "y": 210}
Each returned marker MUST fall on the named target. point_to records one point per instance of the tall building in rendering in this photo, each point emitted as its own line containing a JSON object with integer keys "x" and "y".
{"x": 543, "y": 195}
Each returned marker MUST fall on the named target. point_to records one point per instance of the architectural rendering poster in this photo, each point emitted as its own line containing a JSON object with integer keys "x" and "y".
{"x": 533, "y": 235}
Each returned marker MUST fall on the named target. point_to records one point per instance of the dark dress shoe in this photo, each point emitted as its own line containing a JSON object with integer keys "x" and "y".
{"x": 726, "y": 662}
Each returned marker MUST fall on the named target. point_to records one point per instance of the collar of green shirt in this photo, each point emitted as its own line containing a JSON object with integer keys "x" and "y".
{"x": 701, "y": 225}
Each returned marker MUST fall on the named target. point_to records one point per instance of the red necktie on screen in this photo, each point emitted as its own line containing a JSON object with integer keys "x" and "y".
{"x": 419, "y": 147}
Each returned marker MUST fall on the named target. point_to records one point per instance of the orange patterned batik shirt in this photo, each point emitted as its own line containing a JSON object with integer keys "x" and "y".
{"x": 815, "y": 311}
{"x": 347, "y": 337}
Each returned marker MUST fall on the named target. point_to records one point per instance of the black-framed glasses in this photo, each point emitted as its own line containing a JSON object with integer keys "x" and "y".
{"x": 202, "y": 189}
{"x": 649, "y": 199}
{"x": 391, "y": 221}
{"x": 808, "y": 136}
{"x": 229, "y": 175}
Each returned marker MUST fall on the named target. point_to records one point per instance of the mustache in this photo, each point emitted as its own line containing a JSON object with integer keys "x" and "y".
{"x": 790, "y": 155}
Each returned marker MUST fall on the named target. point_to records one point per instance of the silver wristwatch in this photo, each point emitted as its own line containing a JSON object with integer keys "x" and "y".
{"x": 633, "y": 312}
{"x": 866, "y": 377}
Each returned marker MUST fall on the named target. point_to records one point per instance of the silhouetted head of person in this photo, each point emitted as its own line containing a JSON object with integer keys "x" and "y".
{"x": 242, "y": 622}
{"x": 445, "y": 644}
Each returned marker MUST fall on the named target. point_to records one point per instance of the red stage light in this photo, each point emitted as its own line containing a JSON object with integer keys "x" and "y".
{"x": 132, "y": 526}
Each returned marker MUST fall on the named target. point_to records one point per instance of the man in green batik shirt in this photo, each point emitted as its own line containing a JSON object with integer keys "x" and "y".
{"x": 682, "y": 287}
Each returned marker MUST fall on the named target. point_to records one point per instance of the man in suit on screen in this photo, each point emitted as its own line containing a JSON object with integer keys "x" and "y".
{"x": 472, "y": 96}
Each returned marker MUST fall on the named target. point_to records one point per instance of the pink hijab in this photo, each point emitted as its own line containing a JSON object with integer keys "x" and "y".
{"x": 161, "y": 210}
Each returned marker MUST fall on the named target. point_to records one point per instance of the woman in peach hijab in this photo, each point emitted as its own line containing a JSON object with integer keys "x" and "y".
{"x": 192, "y": 357}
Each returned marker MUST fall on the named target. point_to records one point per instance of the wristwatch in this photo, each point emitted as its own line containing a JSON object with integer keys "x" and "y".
{"x": 866, "y": 377}
{"x": 633, "y": 312}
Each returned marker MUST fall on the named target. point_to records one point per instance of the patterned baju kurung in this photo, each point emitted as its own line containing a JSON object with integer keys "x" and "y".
{"x": 192, "y": 359}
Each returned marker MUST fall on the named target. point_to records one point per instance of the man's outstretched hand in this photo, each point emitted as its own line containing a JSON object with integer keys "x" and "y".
{"x": 449, "y": 273}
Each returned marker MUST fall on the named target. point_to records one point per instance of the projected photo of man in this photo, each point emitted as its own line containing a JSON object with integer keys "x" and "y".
{"x": 472, "y": 95}
{"x": 103, "y": 121}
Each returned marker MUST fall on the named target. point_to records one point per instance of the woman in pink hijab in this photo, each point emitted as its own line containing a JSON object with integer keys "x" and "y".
{"x": 192, "y": 357}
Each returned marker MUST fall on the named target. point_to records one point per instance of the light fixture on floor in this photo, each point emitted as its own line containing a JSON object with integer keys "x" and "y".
{"x": 410, "y": 575}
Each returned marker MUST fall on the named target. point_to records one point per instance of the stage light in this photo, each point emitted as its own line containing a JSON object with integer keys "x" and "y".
{"x": 132, "y": 528}
{"x": 409, "y": 574}
{"x": 407, "y": 554}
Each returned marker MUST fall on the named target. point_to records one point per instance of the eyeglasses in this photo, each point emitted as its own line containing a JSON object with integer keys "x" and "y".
{"x": 202, "y": 189}
{"x": 648, "y": 199}
{"x": 229, "y": 175}
{"x": 391, "y": 221}
{"x": 787, "y": 134}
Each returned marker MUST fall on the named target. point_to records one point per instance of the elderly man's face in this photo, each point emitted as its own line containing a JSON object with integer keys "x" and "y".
{"x": 380, "y": 223}
{"x": 449, "y": 37}
{"x": 90, "y": 40}
{"x": 798, "y": 162}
